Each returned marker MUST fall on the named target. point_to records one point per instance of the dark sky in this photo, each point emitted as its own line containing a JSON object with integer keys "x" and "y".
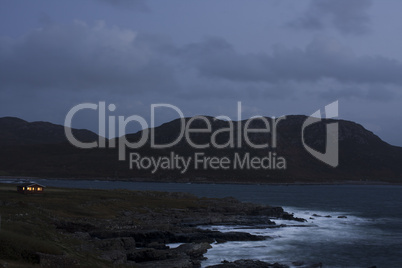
{"x": 277, "y": 57}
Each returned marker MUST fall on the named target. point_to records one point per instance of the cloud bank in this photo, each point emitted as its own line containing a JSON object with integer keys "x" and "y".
{"x": 346, "y": 16}
{"x": 80, "y": 57}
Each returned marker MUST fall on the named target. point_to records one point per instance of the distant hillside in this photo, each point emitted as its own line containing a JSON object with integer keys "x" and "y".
{"x": 15, "y": 131}
{"x": 363, "y": 156}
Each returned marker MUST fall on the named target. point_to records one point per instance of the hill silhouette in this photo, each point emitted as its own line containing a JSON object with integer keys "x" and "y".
{"x": 41, "y": 149}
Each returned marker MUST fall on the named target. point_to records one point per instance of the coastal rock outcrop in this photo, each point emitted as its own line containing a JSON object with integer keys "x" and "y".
{"x": 248, "y": 264}
{"x": 134, "y": 237}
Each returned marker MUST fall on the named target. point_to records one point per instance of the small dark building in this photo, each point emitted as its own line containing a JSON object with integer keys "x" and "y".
{"x": 30, "y": 188}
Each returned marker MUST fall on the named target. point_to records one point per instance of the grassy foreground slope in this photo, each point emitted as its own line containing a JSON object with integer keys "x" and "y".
{"x": 27, "y": 221}
{"x": 121, "y": 228}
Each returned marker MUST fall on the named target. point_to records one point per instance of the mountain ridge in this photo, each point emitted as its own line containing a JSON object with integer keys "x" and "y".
{"x": 16, "y": 131}
{"x": 362, "y": 154}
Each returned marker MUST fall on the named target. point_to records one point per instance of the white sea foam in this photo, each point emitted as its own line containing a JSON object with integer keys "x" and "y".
{"x": 289, "y": 244}
{"x": 174, "y": 245}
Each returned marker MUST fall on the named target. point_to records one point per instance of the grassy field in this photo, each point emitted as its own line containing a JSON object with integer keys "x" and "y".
{"x": 27, "y": 221}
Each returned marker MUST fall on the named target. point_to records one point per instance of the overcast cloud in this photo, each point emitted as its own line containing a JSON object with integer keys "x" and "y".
{"x": 347, "y": 16}
{"x": 137, "y": 5}
{"x": 203, "y": 57}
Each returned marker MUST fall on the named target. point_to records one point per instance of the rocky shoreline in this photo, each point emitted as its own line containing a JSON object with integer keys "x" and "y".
{"x": 133, "y": 228}
{"x": 123, "y": 241}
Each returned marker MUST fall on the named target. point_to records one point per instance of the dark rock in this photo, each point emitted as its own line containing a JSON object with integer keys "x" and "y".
{"x": 141, "y": 238}
{"x": 298, "y": 263}
{"x": 278, "y": 265}
{"x": 156, "y": 245}
{"x": 316, "y": 265}
{"x": 57, "y": 261}
{"x": 194, "y": 251}
{"x": 276, "y": 212}
{"x": 147, "y": 254}
{"x": 170, "y": 263}
{"x": 303, "y": 264}
{"x": 248, "y": 264}
{"x": 82, "y": 235}
{"x": 128, "y": 213}
{"x": 128, "y": 242}
{"x": 73, "y": 227}
{"x": 199, "y": 236}
{"x": 119, "y": 243}
{"x": 157, "y": 239}
{"x": 110, "y": 244}
{"x": 342, "y": 217}
{"x": 235, "y": 236}
{"x": 291, "y": 217}
{"x": 183, "y": 254}
{"x": 114, "y": 256}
